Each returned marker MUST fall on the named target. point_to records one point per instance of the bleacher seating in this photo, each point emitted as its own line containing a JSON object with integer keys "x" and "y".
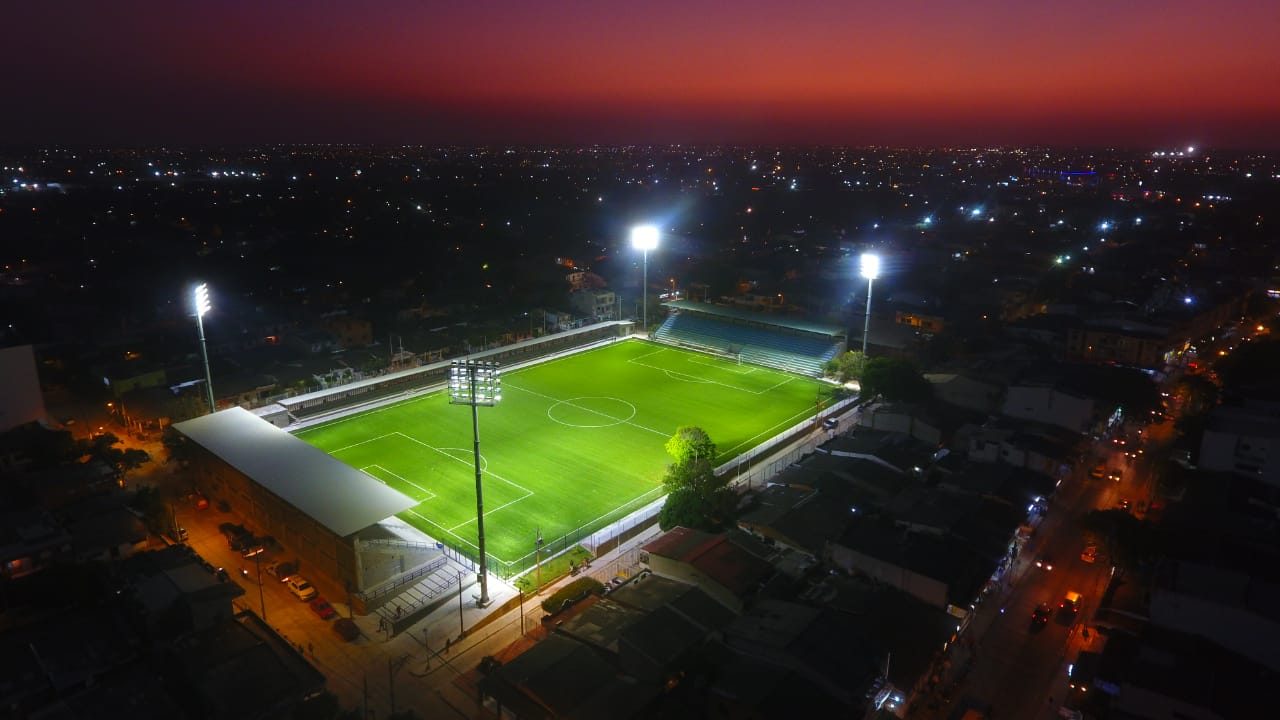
{"x": 804, "y": 354}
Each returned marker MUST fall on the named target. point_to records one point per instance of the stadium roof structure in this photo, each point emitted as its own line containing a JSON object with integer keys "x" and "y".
{"x": 758, "y": 317}
{"x": 334, "y": 494}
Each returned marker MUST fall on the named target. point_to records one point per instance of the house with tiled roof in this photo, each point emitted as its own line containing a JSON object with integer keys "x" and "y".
{"x": 729, "y": 570}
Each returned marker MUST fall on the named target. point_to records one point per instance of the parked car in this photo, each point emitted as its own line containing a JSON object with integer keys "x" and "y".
{"x": 281, "y": 570}
{"x": 1090, "y": 553}
{"x": 238, "y": 536}
{"x": 346, "y": 629}
{"x": 321, "y": 607}
{"x": 1040, "y": 616}
{"x": 1070, "y": 602}
{"x": 301, "y": 589}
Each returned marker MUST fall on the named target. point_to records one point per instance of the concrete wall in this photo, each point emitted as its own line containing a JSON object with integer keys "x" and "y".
{"x": 327, "y": 560}
{"x": 1251, "y": 456}
{"x": 1044, "y": 404}
{"x": 23, "y": 401}
{"x": 1234, "y": 628}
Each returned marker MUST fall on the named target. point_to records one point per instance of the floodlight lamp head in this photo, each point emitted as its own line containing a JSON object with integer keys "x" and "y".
{"x": 870, "y": 266}
{"x": 644, "y": 237}
{"x": 201, "y": 297}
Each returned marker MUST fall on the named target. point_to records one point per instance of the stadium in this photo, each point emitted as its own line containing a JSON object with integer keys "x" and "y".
{"x": 373, "y": 484}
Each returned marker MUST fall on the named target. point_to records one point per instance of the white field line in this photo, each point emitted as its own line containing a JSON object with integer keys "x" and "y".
{"x": 720, "y": 365}
{"x": 655, "y": 352}
{"x": 407, "y": 481}
{"x": 509, "y": 386}
{"x": 696, "y": 379}
{"x": 589, "y": 523}
{"x": 445, "y": 530}
{"x": 363, "y": 442}
{"x": 733, "y": 451}
{"x": 490, "y": 513}
{"x": 452, "y": 457}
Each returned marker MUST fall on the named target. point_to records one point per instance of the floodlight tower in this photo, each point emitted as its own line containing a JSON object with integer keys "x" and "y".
{"x": 645, "y": 238}
{"x": 201, "y": 300}
{"x": 870, "y": 270}
{"x": 476, "y": 383}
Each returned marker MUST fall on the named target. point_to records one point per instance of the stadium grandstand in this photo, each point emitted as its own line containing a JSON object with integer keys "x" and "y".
{"x": 782, "y": 343}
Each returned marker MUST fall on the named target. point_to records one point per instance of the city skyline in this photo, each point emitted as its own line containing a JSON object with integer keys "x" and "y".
{"x": 921, "y": 73}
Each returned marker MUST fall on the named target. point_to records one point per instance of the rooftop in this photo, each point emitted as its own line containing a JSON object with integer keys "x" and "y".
{"x": 334, "y": 494}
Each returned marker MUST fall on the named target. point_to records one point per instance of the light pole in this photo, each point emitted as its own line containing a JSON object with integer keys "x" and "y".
{"x": 262, "y": 601}
{"x": 870, "y": 269}
{"x": 645, "y": 238}
{"x": 201, "y": 300}
{"x": 476, "y": 383}
{"x": 537, "y": 549}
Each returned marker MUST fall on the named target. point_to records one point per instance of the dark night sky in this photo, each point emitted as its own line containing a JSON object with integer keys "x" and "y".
{"x": 1139, "y": 72}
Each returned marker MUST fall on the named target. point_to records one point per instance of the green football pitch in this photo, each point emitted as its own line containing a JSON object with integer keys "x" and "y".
{"x": 575, "y": 443}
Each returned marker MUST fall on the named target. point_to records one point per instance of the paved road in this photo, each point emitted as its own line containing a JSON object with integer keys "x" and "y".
{"x": 1021, "y": 671}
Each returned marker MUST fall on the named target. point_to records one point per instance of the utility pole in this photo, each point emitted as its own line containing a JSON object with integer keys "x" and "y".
{"x": 393, "y": 667}
{"x": 537, "y": 545}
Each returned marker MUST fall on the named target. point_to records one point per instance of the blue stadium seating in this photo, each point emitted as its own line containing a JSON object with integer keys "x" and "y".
{"x": 804, "y": 354}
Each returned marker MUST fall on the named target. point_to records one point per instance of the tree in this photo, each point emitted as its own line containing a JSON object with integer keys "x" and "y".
{"x": 846, "y": 366}
{"x": 895, "y": 379}
{"x": 695, "y": 496}
{"x": 181, "y": 450}
{"x": 132, "y": 459}
{"x": 691, "y": 443}
{"x": 155, "y": 512}
{"x": 1131, "y": 390}
{"x": 1251, "y": 364}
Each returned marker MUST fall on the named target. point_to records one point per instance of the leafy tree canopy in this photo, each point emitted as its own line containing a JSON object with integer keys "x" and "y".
{"x": 1251, "y": 364}
{"x": 691, "y": 444}
{"x": 695, "y": 496}
{"x": 846, "y": 366}
{"x": 895, "y": 379}
{"x": 1132, "y": 390}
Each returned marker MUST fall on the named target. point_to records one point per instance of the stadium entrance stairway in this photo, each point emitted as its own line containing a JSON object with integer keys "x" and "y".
{"x": 418, "y": 577}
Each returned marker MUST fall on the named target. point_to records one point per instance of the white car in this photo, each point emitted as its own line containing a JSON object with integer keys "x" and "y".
{"x": 302, "y": 589}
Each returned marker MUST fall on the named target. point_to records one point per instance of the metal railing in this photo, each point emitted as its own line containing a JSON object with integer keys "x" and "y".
{"x": 397, "y": 583}
{"x": 410, "y": 544}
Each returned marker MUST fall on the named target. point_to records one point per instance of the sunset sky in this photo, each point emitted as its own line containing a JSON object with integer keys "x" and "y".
{"x": 1137, "y": 72}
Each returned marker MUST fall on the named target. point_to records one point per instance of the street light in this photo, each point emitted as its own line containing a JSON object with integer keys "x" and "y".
{"x": 645, "y": 238}
{"x": 476, "y": 383}
{"x": 201, "y": 300}
{"x": 262, "y": 601}
{"x": 870, "y": 270}
{"x": 537, "y": 548}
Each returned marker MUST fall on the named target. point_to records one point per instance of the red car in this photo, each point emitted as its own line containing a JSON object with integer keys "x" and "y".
{"x": 321, "y": 607}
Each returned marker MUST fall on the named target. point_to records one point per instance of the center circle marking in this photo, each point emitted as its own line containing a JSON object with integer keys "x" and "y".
{"x": 587, "y": 406}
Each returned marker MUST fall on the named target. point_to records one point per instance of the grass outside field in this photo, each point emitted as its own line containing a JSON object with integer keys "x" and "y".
{"x": 575, "y": 443}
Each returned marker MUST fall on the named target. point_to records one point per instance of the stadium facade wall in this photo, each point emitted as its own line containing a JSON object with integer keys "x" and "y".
{"x": 327, "y": 560}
